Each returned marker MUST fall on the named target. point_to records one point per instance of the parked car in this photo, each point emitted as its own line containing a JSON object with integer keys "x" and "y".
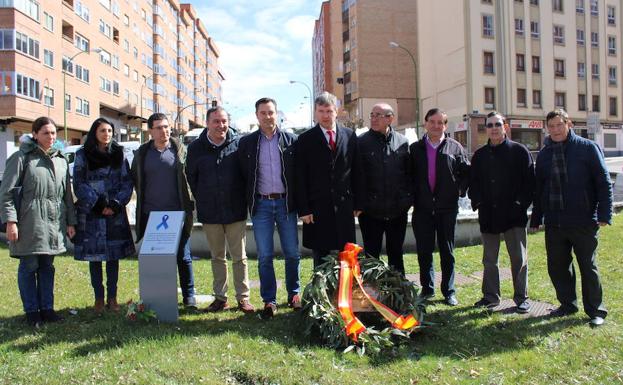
{"x": 128, "y": 151}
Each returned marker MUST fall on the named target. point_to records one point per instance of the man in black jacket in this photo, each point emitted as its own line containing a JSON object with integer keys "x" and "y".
{"x": 267, "y": 162}
{"x": 216, "y": 183}
{"x": 386, "y": 196}
{"x": 441, "y": 175}
{"x": 327, "y": 181}
{"x": 501, "y": 188}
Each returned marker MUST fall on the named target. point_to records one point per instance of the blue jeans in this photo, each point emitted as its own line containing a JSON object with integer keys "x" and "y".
{"x": 35, "y": 279}
{"x": 97, "y": 277}
{"x": 268, "y": 212}
{"x": 185, "y": 268}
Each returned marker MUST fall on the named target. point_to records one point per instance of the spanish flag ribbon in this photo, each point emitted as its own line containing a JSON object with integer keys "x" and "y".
{"x": 349, "y": 269}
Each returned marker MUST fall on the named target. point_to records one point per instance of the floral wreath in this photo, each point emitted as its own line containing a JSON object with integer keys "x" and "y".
{"x": 328, "y": 311}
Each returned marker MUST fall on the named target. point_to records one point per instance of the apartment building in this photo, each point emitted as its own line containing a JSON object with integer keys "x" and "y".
{"x": 77, "y": 60}
{"x": 523, "y": 58}
{"x": 353, "y": 59}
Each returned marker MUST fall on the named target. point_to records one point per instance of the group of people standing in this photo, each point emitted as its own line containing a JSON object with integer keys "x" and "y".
{"x": 326, "y": 177}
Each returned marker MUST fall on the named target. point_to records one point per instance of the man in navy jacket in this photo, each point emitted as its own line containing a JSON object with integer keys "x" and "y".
{"x": 574, "y": 196}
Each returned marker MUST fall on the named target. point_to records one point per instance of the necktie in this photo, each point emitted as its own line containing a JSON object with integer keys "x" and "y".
{"x": 331, "y": 141}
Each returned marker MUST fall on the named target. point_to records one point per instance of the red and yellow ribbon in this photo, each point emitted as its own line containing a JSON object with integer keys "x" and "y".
{"x": 349, "y": 269}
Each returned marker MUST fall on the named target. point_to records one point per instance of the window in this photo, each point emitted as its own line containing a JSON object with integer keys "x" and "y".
{"x": 521, "y": 97}
{"x": 105, "y": 57}
{"x": 596, "y": 103}
{"x": 489, "y": 98}
{"x": 48, "y": 58}
{"x": 487, "y": 25}
{"x": 579, "y": 36}
{"x": 105, "y": 29}
{"x": 135, "y": 75}
{"x": 595, "y": 39}
{"x": 135, "y": 53}
{"x": 579, "y": 6}
{"x": 28, "y": 7}
{"x": 520, "y": 62}
{"x": 115, "y": 87}
{"x": 126, "y": 20}
{"x": 536, "y": 64}
{"x": 557, "y": 6}
{"x": 68, "y": 66}
{"x": 115, "y": 61}
{"x": 82, "y": 106}
{"x": 594, "y": 8}
{"x": 27, "y": 45}
{"x": 559, "y": 68}
{"x": 126, "y": 70}
{"x": 105, "y": 85}
{"x": 82, "y": 43}
{"x": 595, "y": 71}
{"x": 48, "y": 96}
{"x": 48, "y": 22}
{"x": 82, "y": 73}
{"x": 106, "y": 4}
{"x": 560, "y": 99}
{"x": 536, "y": 98}
{"x": 612, "y": 111}
{"x": 611, "y": 15}
{"x": 610, "y": 140}
{"x": 484, "y": 1}
{"x": 612, "y": 76}
{"x": 612, "y": 45}
{"x": 82, "y": 11}
{"x": 559, "y": 34}
{"x": 27, "y": 86}
{"x": 534, "y": 2}
{"x": 519, "y": 27}
{"x": 67, "y": 102}
{"x": 534, "y": 29}
{"x": 488, "y": 63}
{"x": 581, "y": 102}
{"x": 581, "y": 70}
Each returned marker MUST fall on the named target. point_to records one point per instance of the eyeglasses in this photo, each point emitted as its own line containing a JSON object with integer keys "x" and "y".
{"x": 496, "y": 124}
{"x": 375, "y": 115}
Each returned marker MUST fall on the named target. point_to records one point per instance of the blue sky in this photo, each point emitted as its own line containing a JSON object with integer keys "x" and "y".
{"x": 263, "y": 45}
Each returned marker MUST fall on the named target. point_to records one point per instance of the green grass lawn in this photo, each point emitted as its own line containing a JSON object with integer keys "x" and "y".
{"x": 464, "y": 346}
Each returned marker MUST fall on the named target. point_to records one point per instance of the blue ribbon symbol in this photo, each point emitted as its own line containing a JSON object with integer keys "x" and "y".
{"x": 164, "y": 224}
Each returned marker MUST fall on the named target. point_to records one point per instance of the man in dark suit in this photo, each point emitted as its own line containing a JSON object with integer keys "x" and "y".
{"x": 327, "y": 176}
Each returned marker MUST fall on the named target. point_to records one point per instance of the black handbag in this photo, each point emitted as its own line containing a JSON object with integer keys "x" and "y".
{"x": 16, "y": 193}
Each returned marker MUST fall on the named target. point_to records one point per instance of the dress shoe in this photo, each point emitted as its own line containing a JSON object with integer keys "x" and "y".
{"x": 50, "y": 315}
{"x": 113, "y": 306}
{"x": 98, "y": 307}
{"x": 596, "y": 321}
{"x": 524, "y": 307}
{"x": 451, "y": 300}
{"x": 245, "y": 306}
{"x": 270, "y": 309}
{"x": 218, "y": 305}
{"x": 295, "y": 302}
{"x": 562, "y": 312}
{"x": 190, "y": 303}
{"x": 33, "y": 319}
{"x": 484, "y": 303}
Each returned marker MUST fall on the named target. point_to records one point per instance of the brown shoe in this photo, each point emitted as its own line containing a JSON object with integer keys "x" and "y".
{"x": 218, "y": 305}
{"x": 99, "y": 306}
{"x": 295, "y": 302}
{"x": 245, "y": 306}
{"x": 112, "y": 305}
{"x": 270, "y": 309}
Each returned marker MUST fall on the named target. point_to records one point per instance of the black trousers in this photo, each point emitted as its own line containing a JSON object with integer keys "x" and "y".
{"x": 372, "y": 230}
{"x": 559, "y": 241}
{"x": 428, "y": 227}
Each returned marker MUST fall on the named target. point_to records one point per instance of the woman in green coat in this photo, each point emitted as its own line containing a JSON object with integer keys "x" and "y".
{"x": 36, "y": 229}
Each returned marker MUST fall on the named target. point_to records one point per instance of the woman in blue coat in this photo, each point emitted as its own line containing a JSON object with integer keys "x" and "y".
{"x": 103, "y": 186}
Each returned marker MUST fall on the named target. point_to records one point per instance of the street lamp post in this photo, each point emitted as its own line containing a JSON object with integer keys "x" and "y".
{"x": 311, "y": 106}
{"x": 417, "y": 88}
{"x": 71, "y": 59}
{"x": 175, "y": 122}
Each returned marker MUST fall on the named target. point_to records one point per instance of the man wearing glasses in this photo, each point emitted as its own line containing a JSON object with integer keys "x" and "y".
{"x": 387, "y": 196}
{"x": 501, "y": 188}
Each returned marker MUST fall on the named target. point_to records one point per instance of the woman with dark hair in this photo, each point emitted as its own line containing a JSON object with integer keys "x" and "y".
{"x": 37, "y": 223}
{"x": 103, "y": 186}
